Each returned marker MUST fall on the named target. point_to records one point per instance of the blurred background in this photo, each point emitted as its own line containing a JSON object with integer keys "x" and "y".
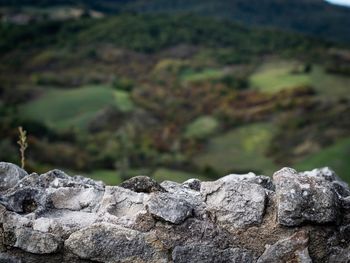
{"x": 175, "y": 89}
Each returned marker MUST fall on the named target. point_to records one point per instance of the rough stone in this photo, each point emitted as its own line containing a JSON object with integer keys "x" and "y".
{"x": 262, "y": 180}
{"x": 169, "y": 207}
{"x": 106, "y": 242}
{"x": 234, "y": 202}
{"x": 10, "y": 174}
{"x": 121, "y": 206}
{"x": 64, "y": 222}
{"x": 206, "y": 253}
{"x": 75, "y": 198}
{"x": 340, "y": 255}
{"x": 53, "y": 217}
{"x": 291, "y": 249}
{"x": 36, "y": 242}
{"x": 142, "y": 184}
{"x": 183, "y": 191}
{"x": 193, "y": 184}
{"x": 305, "y": 197}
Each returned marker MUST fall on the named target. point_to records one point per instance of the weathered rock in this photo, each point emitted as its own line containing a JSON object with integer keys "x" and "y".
{"x": 206, "y": 253}
{"x": 345, "y": 211}
{"x": 169, "y": 207}
{"x": 25, "y": 200}
{"x": 340, "y": 255}
{"x": 142, "y": 184}
{"x": 36, "y": 242}
{"x": 262, "y": 180}
{"x": 75, "y": 198}
{"x": 53, "y": 217}
{"x": 234, "y": 202}
{"x": 105, "y": 242}
{"x": 57, "y": 179}
{"x": 19, "y": 256}
{"x": 193, "y": 184}
{"x": 183, "y": 191}
{"x": 121, "y": 206}
{"x": 292, "y": 249}
{"x": 64, "y": 222}
{"x": 10, "y": 175}
{"x": 305, "y": 197}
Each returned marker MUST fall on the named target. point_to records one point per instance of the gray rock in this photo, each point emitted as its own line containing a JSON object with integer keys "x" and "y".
{"x": 262, "y": 180}
{"x": 19, "y": 256}
{"x": 304, "y": 197}
{"x": 291, "y": 249}
{"x": 234, "y": 202}
{"x": 36, "y": 242}
{"x": 206, "y": 253}
{"x": 11, "y": 222}
{"x": 345, "y": 204}
{"x": 75, "y": 199}
{"x": 193, "y": 184}
{"x": 10, "y": 175}
{"x": 121, "y": 206}
{"x": 142, "y": 184}
{"x": 228, "y": 220}
{"x": 169, "y": 207}
{"x": 5, "y": 258}
{"x": 63, "y": 222}
{"x": 57, "y": 179}
{"x": 340, "y": 255}
{"x": 105, "y": 242}
{"x": 18, "y": 233}
{"x": 25, "y": 200}
{"x": 183, "y": 191}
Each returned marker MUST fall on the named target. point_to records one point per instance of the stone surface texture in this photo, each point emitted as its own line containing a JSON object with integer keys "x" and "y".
{"x": 289, "y": 217}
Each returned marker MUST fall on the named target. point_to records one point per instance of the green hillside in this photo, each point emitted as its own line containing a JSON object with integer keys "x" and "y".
{"x": 313, "y": 17}
{"x": 235, "y": 151}
{"x": 62, "y": 109}
{"x": 170, "y": 96}
{"x": 274, "y": 76}
{"x": 335, "y": 156}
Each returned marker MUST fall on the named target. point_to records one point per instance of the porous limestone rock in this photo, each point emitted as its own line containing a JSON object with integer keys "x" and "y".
{"x": 206, "y": 253}
{"x": 36, "y": 242}
{"x": 121, "y": 206}
{"x": 10, "y": 174}
{"x": 291, "y": 249}
{"x": 75, "y": 199}
{"x": 142, "y": 184}
{"x": 234, "y": 202}
{"x": 169, "y": 207}
{"x": 104, "y": 242}
{"x": 294, "y": 217}
{"x": 305, "y": 197}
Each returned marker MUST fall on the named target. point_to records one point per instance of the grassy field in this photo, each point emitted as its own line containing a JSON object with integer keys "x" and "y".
{"x": 202, "y": 127}
{"x": 330, "y": 85}
{"x": 274, "y": 76}
{"x": 277, "y": 75}
{"x": 205, "y": 75}
{"x": 109, "y": 177}
{"x": 333, "y": 156}
{"x": 240, "y": 150}
{"x": 123, "y": 101}
{"x": 62, "y": 109}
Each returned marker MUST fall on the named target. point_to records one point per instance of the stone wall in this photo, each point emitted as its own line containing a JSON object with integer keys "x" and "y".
{"x": 293, "y": 217}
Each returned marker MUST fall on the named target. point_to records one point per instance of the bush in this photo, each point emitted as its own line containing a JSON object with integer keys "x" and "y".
{"x": 121, "y": 83}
